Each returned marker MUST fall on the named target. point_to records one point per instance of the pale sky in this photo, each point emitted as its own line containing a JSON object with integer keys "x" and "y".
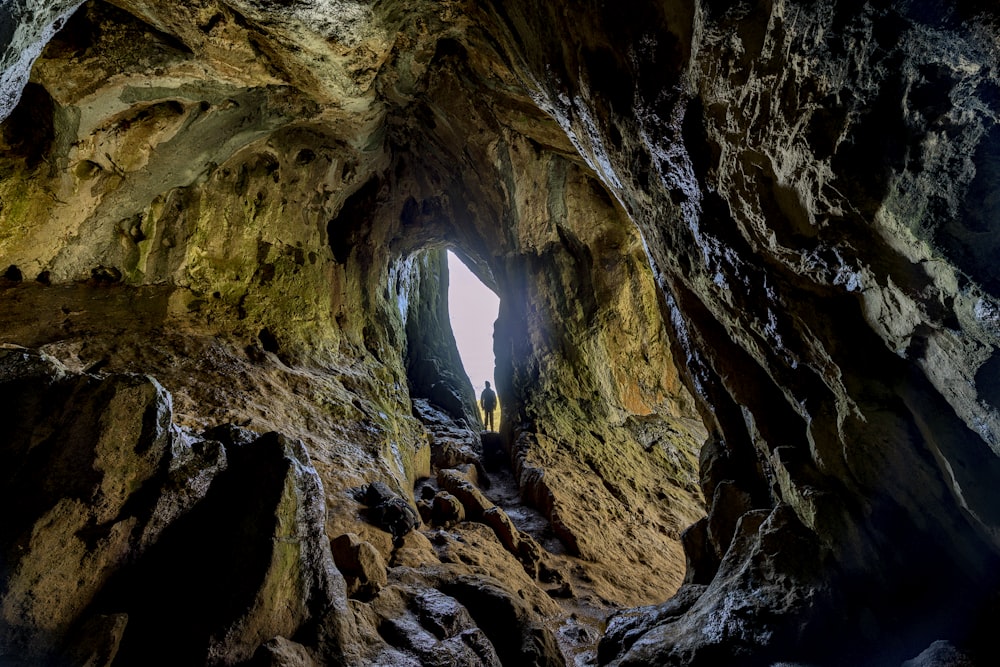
{"x": 473, "y": 308}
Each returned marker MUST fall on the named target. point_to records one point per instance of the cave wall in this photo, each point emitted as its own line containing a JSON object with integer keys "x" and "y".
{"x": 773, "y": 219}
{"x": 433, "y": 365}
{"x": 187, "y": 194}
{"x": 199, "y": 230}
{"x": 808, "y": 181}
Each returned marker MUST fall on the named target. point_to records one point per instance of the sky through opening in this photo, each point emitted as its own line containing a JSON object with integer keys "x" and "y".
{"x": 473, "y": 309}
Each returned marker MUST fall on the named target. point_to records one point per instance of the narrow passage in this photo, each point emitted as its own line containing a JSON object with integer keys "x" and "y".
{"x": 473, "y": 309}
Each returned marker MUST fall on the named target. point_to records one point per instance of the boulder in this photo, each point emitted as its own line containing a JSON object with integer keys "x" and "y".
{"x": 507, "y": 621}
{"x": 433, "y": 628}
{"x": 523, "y": 546}
{"x": 389, "y": 511}
{"x": 625, "y": 627}
{"x": 459, "y": 483}
{"x": 282, "y": 652}
{"x": 262, "y": 568}
{"x": 361, "y": 564}
{"x": 82, "y": 465}
{"x": 446, "y": 509}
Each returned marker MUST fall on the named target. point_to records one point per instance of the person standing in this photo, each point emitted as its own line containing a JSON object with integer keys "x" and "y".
{"x": 488, "y": 401}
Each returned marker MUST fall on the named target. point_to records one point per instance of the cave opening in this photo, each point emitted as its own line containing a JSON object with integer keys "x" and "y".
{"x": 472, "y": 308}
{"x": 749, "y": 342}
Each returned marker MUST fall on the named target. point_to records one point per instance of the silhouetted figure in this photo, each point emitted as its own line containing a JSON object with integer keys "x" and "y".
{"x": 488, "y": 400}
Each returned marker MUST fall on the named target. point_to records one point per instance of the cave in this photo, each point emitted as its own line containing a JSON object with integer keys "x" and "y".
{"x": 472, "y": 309}
{"x": 746, "y": 347}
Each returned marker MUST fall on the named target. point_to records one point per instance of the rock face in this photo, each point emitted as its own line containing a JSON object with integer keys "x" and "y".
{"x": 810, "y": 213}
{"x": 744, "y": 253}
{"x": 118, "y": 522}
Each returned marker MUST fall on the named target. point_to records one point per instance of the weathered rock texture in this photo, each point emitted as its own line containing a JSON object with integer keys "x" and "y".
{"x": 810, "y": 181}
{"x": 126, "y": 539}
{"x": 762, "y": 227}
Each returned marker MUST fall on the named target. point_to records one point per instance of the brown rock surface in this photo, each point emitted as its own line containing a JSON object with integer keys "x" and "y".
{"x": 361, "y": 564}
{"x": 745, "y": 254}
{"x": 119, "y": 521}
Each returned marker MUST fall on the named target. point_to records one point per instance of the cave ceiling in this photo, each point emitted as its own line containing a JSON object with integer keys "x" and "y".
{"x": 746, "y": 351}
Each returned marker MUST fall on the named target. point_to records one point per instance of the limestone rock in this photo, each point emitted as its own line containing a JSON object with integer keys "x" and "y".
{"x": 702, "y": 561}
{"x": 95, "y": 641}
{"x": 125, "y": 498}
{"x": 27, "y": 25}
{"x": 361, "y": 564}
{"x": 194, "y": 464}
{"x": 389, "y": 511}
{"x": 744, "y": 611}
{"x": 432, "y": 627}
{"x": 465, "y": 490}
{"x": 819, "y": 297}
{"x": 477, "y": 507}
{"x": 282, "y": 652}
{"x": 261, "y": 526}
{"x": 729, "y": 503}
{"x": 446, "y": 509}
{"x": 625, "y": 627}
{"x": 414, "y": 551}
{"x": 522, "y": 546}
{"x": 81, "y": 467}
{"x": 505, "y": 620}
{"x": 766, "y": 228}
{"x": 453, "y": 443}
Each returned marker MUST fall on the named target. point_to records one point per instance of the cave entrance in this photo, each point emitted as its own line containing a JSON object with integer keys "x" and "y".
{"x": 473, "y": 308}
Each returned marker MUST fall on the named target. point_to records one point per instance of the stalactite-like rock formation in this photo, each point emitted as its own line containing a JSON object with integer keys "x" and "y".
{"x": 745, "y": 351}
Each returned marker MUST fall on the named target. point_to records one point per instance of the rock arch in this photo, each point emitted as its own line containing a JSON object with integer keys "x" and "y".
{"x": 765, "y": 221}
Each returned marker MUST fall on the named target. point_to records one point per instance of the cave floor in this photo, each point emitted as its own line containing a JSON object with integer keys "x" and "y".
{"x": 216, "y": 379}
{"x": 578, "y": 594}
{"x": 581, "y": 625}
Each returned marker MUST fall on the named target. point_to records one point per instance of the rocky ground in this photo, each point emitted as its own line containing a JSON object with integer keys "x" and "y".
{"x": 477, "y": 577}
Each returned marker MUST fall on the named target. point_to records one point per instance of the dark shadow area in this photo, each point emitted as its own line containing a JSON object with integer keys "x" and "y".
{"x": 342, "y": 230}
{"x": 203, "y": 574}
{"x": 30, "y": 129}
